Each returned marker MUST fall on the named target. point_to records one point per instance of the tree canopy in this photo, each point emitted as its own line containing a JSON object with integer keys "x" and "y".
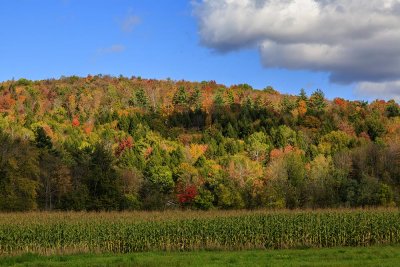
{"x": 108, "y": 143}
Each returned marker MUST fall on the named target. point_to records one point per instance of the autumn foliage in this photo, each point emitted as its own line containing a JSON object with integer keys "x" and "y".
{"x": 187, "y": 194}
{"x": 117, "y": 143}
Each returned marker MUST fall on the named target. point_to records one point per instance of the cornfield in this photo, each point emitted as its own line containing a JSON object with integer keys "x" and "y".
{"x": 47, "y": 233}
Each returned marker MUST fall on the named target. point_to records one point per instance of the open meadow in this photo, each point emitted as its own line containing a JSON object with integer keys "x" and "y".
{"x": 370, "y": 256}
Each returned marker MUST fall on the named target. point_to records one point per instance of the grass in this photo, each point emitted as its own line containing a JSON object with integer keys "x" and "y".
{"x": 371, "y": 256}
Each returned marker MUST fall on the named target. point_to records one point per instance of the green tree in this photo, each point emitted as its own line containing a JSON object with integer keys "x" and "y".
{"x": 141, "y": 98}
{"x": 257, "y": 146}
{"x": 42, "y": 140}
{"x": 375, "y": 126}
{"x": 161, "y": 177}
{"x": 230, "y": 97}
{"x": 102, "y": 181}
{"x": 392, "y": 109}
{"x": 204, "y": 200}
{"x": 181, "y": 97}
{"x": 228, "y": 197}
{"x": 284, "y": 136}
{"x": 334, "y": 142}
{"x": 321, "y": 186}
{"x": 317, "y": 102}
{"x": 302, "y": 95}
{"x": 287, "y": 104}
{"x": 55, "y": 179}
{"x": 270, "y": 90}
{"x": 19, "y": 173}
{"x": 218, "y": 99}
{"x": 195, "y": 99}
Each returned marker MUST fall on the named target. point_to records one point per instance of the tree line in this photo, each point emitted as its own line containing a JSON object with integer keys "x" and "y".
{"x": 117, "y": 143}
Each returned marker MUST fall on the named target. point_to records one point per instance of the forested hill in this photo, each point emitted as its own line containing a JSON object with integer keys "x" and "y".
{"x": 107, "y": 143}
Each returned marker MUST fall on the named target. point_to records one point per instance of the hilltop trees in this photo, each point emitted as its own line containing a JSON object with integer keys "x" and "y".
{"x": 105, "y": 143}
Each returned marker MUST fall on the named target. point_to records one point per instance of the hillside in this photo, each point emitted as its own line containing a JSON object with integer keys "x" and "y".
{"x": 107, "y": 143}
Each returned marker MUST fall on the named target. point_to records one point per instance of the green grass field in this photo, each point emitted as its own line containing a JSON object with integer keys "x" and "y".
{"x": 372, "y": 256}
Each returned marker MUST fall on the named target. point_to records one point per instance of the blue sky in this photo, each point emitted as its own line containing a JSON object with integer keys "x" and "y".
{"x": 152, "y": 39}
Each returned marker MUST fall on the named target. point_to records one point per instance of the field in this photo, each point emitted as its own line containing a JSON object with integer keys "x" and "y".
{"x": 371, "y": 256}
{"x": 67, "y": 233}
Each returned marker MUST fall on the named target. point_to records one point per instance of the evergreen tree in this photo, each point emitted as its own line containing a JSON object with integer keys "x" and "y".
{"x": 102, "y": 181}
{"x": 219, "y": 100}
{"x": 181, "y": 97}
{"x": 42, "y": 140}
{"x": 317, "y": 101}
{"x": 302, "y": 95}
{"x": 141, "y": 98}
{"x": 195, "y": 99}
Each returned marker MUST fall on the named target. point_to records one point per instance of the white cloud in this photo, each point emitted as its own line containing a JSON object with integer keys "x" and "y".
{"x": 389, "y": 90}
{"x": 352, "y": 40}
{"x": 116, "y": 48}
{"x": 129, "y": 23}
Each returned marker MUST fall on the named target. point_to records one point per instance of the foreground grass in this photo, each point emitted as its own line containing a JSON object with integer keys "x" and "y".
{"x": 372, "y": 256}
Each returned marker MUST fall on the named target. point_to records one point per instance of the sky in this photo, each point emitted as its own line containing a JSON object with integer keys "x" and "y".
{"x": 347, "y": 48}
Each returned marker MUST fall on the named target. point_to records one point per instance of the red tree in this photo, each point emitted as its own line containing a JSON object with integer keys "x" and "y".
{"x": 187, "y": 195}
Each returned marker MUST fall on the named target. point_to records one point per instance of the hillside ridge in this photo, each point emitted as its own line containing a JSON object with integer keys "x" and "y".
{"x": 116, "y": 143}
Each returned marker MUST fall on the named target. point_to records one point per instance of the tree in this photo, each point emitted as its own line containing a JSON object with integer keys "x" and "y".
{"x": 42, "y": 140}
{"x": 284, "y": 136}
{"x": 334, "y": 142}
{"x": 204, "y": 199}
{"x": 194, "y": 151}
{"x": 375, "y": 127}
{"x": 186, "y": 195}
{"x": 195, "y": 99}
{"x": 55, "y": 178}
{"x": 321, "y": 186}
{"x": 286, "y": 179}
{"x": 230, "y": 97}
{"x": 161, "y": 177}
{"x": 141, "y": 98}
{"x": 270, "y": 90}
{"x": 287, "y": 104}
{"x": 131, "y": 182}
{"x": 257, "y": 146}
{"x": 317, "y": 102}
{"x": 219, "y": 100}
{"x": 187, "y": 175}
{"x": 230, "y": 131}
{"x": 302, "y": 107}
{"x": 228, "y": 197}
{"x": 102, "y": 181}
{"x": 19, "y": 172}
{"x": 392, "y": 109}
{"x": 302, "y": 96}
{"x": 157, "y": 189}
{"x": 242, "y": 170}
{"x": 181, "y": 97}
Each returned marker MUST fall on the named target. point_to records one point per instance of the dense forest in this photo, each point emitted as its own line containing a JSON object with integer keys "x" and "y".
{"x": 117, "y": 143}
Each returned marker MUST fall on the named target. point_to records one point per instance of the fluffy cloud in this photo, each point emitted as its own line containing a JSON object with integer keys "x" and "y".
{"x": 352, "y": 40}
{"x": 389, "y": 90}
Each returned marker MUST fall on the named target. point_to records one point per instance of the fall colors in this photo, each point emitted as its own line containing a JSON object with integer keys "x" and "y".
{"x": 117, "y": 143}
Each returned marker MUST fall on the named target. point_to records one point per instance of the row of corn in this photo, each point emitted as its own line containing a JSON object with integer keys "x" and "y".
{"x": 248, "y": 231}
